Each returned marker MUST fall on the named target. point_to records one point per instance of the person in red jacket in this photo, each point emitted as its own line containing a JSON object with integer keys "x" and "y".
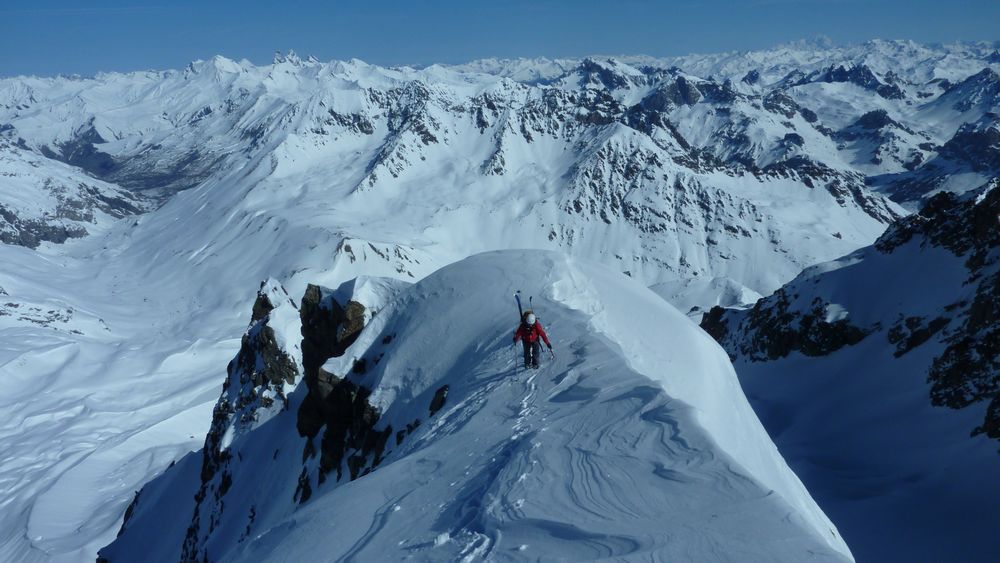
{"x": 529, "y": 333}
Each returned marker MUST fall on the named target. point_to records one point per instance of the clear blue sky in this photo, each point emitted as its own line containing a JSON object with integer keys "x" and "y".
{"x": 48, "y": 37}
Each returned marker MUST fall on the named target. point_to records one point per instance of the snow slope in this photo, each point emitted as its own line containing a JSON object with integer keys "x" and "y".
{"x": 634, "y": 442}
{"x": 878, "y": 377}
{"x": 707, "y": 187}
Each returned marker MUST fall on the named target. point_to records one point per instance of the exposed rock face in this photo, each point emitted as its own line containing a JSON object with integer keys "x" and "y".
{"x": 335, "y": 406}
{"x": 977, "y": 144}
{"x": 254, "y": 391}
{"x": 262, "y": 305}
{"x": 964, "y": 368}
{"x": 968, "y": 372}
{"x": 980, "y": 89}
{"x": 334, "y": 417}
{"x": 39, "y": 204}
{"x": 780, "y": 103}
{"x": 327, "y": 330}
{"x": 680, "y": 92}
{"x": 32, "y": 232}
{"x": 775, "y": 328}
{"x": 876, "y": 119}
{"x": 863, "y": 76}
{"x": 751, "y": 77}
{"x": 440, "y": 396}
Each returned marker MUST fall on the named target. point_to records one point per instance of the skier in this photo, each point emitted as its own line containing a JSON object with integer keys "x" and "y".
{"x": 530, "y": 331}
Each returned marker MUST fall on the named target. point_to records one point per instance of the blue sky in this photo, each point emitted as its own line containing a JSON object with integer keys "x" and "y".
{"x": 48, "y": 37}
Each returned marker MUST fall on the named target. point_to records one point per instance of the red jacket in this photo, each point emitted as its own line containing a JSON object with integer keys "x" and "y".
{"x": 531, "y": 333}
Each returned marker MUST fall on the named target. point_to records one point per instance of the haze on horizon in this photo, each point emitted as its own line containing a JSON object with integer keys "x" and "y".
{"x": 50, "y": 37}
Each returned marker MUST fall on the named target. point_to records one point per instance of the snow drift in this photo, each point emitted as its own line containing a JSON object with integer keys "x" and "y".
{"x": 635, "y": 441}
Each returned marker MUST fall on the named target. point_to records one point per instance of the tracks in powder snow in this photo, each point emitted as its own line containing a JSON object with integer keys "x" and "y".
{"x": 506, "y": 394}
{"x": 585, "y": 458}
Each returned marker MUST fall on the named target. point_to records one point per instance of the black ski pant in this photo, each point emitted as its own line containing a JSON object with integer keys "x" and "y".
{"x": 532, "y": 350}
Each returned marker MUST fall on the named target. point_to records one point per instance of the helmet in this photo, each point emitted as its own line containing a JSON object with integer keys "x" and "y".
{"x": 530, "y": 319}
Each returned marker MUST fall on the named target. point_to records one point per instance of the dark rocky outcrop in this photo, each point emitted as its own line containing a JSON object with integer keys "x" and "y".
{"x": 773, "y": 329}
{"x": 777, "y": 101}
{"x": 671, "y": 94}
{"x": 255, "y": 384}
{"x": 876, "y": 119}
{"x": 976, "y": 144}
{"x": 950, "y": 221}
{"x": 81, "y": 151}
{"x": 356, "y": 122}
{"x": 966, "y": 370}
{"x": 336, "y": 410}
{"x": 336, "y": 406}
{"x": 74, "y": 206}
{"x": 716, "y": 93}
{"x": 437, "y": 403}
{"x": 860, "y": 75}
{"x": 32, "y": 232}
{"x": 979, "y": 90}
{"x": 335, "y": 417}
{"x": 600, "y": 73}
{"x": 911, "y": 332}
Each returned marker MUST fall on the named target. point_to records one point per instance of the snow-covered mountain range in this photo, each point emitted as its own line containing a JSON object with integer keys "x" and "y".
{"x": 139, "y": 211}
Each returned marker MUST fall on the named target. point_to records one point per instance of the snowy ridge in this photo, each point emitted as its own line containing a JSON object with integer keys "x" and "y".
{"x": 712, "y": 179}
{"x": 508, "y": 465}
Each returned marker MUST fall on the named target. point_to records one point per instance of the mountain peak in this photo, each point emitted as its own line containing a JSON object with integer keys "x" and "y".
{"x": 290, "y": 57}
{"x": 609, "y": 73}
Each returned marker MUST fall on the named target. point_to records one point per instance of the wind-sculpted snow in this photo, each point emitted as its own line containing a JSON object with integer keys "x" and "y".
{"x": 614, "y": 449}
{"x": 712, "y": 179}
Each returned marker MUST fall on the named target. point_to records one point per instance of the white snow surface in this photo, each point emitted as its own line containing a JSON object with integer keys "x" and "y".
{"x": 113, "y": 347}
{"x": 634, "y": 442}
{"x": 903, "y": 478}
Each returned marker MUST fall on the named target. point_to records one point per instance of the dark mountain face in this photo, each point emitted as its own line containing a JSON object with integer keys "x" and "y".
{"x": 878, "y": 376}
{"x": 859, "y": 75}
{"x": 961, "y": 340}
{"x": 976, "y": 145}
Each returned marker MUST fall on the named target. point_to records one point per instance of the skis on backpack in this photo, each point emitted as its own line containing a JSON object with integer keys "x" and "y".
{"x": 520, "y": 309}
{"x": 520, "y": 319}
